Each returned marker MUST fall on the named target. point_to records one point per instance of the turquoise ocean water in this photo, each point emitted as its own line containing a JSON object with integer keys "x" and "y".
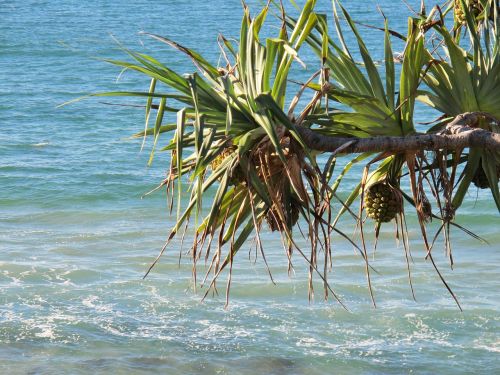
{"x": 76, "y": 239}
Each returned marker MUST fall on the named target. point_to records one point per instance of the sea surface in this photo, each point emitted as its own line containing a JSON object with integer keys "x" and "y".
{"x": 76, "y": 237}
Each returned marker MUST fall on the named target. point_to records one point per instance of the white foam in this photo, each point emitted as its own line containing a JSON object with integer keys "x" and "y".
{"x": 47, "y": 332}
{"x": 92, "y": 302}
{"x": 40, "y": 144}
{"x": 493, "y": 347}
{"x": 89, "y": 302}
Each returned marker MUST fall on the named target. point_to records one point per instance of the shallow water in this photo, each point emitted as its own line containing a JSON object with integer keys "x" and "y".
{"x": 76, "y": 239}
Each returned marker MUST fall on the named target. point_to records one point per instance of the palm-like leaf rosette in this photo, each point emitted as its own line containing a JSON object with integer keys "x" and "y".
{"x": 235, "y": 138}
{"x": 464, "y": 82}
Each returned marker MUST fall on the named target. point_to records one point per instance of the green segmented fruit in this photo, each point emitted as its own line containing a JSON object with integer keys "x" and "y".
{"x": 480, "y": 179}
{"x": 382, "y": 202}
{"x": 237, "y": 175}
{"x": 474, "y": 6}
{"x": 220, "y": 158}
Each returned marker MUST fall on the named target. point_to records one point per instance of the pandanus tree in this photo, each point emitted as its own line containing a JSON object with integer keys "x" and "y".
{"x": 268, "y": 157}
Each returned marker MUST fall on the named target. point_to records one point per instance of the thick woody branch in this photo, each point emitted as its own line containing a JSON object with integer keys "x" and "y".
{"x": 461, "y": 133}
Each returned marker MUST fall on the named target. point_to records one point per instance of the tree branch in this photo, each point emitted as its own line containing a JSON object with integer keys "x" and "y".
{"x": 461, "y": 133}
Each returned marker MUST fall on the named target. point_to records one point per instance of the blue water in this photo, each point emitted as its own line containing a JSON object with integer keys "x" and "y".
{"x": 76, "y": 239}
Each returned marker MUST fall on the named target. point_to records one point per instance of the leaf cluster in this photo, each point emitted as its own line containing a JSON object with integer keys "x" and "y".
{"x": 235, "y": 138}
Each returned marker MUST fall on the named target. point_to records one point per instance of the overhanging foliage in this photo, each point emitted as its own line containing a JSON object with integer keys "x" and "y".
{"x": 234, "y": 135}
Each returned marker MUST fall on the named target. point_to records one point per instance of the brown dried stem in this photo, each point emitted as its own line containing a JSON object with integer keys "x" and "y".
{"x": 458, "y": 134}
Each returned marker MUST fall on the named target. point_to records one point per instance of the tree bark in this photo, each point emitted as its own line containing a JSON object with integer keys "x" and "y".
{"x": 458, "y": 134}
